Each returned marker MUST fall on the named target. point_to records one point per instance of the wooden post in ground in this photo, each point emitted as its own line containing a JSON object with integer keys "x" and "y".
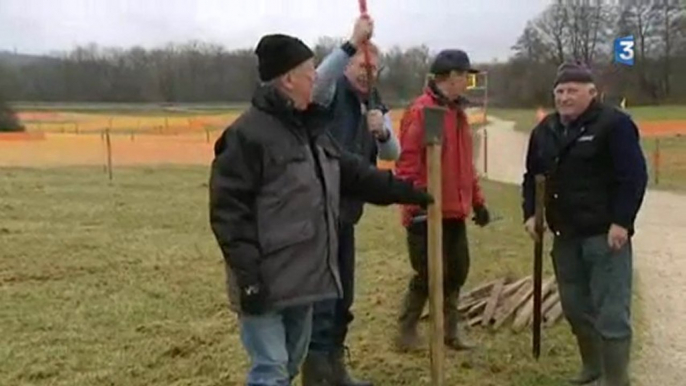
{"x": 109, "y": 153}
{"x": 656, "y": 161}
{"x": 486, "y": 152}
{"x": 433, "y": 135}
{"x": 538, "y": 264}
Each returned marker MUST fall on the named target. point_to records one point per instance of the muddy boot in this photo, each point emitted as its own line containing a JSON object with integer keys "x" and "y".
{"x": 341, "y": 377}
{"x": 408, "y": 338}
{"x": 451, "y": 317}
{"x": 616, "y": 353}
{"x": 317, "y": 371}
{"x": 589, "y": 349}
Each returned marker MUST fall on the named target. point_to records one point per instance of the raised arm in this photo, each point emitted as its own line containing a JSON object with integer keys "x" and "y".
{"x": 333, "y": 66}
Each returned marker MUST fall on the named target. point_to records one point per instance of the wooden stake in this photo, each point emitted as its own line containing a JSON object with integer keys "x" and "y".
{"x": 538, "y": 264}
{"x": 433, "y": 132}
{"x": 109, "y": 153}
{"x": 656, "y": 161}
{"x": 492, "y": 303}
{"x": 485, "y": 152}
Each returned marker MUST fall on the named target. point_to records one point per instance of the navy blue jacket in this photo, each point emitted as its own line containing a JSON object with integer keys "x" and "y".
{"x": 595, "y": 168}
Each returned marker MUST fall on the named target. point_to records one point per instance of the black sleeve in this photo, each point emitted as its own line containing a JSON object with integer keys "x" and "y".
{"x": 630, "y": 171}
{"x": 529, "y": 182}
{"x": 367, "y": 183}
{"x": 233, "y": 186}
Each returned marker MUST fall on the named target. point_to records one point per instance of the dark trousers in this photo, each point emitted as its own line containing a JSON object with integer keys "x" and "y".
{"x": 455, "y": 256}
{"x": 332, "y": 317}
{"x": 595, "y": 285}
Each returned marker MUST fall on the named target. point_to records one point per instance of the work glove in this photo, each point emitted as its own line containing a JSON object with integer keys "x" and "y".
{"x": 481, "y": 216}
{"x": 253, "y": 297}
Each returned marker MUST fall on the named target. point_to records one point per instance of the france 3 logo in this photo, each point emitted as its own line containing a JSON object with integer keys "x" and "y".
{"x": 624, "y": 50}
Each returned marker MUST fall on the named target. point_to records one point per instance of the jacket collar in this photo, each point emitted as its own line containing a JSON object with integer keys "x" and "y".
{"x": 270, "y": 100}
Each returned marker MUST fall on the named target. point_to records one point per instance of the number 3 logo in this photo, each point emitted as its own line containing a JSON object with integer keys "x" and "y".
{"x": 624, "y": 50}
{"x": 627, "y": 50}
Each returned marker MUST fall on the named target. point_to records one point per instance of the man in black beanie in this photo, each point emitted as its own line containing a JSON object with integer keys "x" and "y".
{"x": 275, "y": 189}
{"x": 596, "y": 179}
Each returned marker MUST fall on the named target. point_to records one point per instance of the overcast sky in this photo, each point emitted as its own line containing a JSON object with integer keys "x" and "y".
{"x": 485, "y": 28}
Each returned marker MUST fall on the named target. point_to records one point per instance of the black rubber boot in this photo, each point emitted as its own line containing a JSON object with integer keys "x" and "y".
{"x": 341, "y": 376}
{"x": 451, "y": 317}
{"x": 591, "y": 359}
{"x": 616, "y": 353}
{"x": 408, "y": 338}
{"x": 317, "y": 370}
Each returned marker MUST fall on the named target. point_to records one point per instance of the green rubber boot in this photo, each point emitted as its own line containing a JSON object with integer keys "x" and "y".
{"x": 592, "y": 366}
{"x": 616, "y": 354}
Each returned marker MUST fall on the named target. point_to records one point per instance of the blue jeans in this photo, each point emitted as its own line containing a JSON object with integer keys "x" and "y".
{"x": 331, "y": 317}
{"x": 277, "y": 344}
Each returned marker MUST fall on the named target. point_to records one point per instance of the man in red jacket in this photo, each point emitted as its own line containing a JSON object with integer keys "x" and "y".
{"x": 461, "y": 194}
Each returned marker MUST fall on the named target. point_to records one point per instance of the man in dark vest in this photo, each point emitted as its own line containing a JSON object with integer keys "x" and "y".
{"x": 275, "y": 187}
{"x": 596, "y": 179}
{"x": 362, "y": 126}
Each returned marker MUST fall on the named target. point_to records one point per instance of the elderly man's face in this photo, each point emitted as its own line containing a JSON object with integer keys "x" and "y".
{"x": 299, "y": 83}
{"x": 573, "y": 98}
{"x": 356, "y": 72}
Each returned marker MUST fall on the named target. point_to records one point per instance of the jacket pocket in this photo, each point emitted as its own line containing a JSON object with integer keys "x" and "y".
{"x": 276, "y": 239}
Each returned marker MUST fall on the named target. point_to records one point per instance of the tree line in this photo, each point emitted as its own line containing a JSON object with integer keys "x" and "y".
{"x": 202, "y": 72}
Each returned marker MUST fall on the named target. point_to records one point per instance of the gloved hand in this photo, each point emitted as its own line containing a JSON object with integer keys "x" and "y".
{"x": 408, "y": 194}
{"x": 481, "y": 216}
{"x": 253, "y": 297}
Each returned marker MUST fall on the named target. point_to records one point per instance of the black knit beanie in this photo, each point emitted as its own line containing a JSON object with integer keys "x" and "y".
{"x": 573, "y": 72}
{"x": 277, "y": 54}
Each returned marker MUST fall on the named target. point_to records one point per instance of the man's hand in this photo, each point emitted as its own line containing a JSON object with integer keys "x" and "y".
{"x": 481, "y": 216}
{"x": 375, "y": 123}
{"x": 530, "y": 227}
{"x": 363, "y": 30}
{"x": 617, "y": 237}
{"x": 253, "y": 298}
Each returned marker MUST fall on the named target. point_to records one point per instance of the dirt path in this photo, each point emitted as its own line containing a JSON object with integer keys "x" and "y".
{"x": 660, "y": 266}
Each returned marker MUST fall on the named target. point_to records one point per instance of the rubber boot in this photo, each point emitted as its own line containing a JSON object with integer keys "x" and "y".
{"x": 408, "y": 338}
{"x": 341, "y": 376}
{"x": 616, "y": 353}
{"x": 316, "y": 370}
{"x": 591, "y": 360}
{"x": 451, "y": 317}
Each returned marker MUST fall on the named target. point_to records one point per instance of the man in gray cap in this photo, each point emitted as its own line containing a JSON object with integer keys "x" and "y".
{"x": 276, "y": 182}
{"x": 462, "y": 196}
{"x": 596, "y": 179}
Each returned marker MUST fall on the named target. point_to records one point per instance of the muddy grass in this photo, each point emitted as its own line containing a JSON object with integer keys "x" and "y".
{"x": 122, "y": 284}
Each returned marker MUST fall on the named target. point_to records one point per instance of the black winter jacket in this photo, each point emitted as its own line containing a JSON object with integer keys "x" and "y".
{"x": 275, "y": 187}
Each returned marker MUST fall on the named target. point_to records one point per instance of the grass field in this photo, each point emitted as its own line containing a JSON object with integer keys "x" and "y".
{"x": 668, "y": 123}
{"x": 525, "y": 119}
{"x": 122, "y": 284}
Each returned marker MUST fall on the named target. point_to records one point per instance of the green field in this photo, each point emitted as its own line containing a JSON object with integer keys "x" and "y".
{"x": 672, "y": 171}
{"x": 122, "y": 284}
{"x": 525, "y": 119}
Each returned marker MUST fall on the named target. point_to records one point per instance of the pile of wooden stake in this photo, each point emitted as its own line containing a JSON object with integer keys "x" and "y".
{"x": 507, "y": 300}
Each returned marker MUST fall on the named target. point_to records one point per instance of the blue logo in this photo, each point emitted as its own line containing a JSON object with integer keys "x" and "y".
{"x": 624, "y": 50}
